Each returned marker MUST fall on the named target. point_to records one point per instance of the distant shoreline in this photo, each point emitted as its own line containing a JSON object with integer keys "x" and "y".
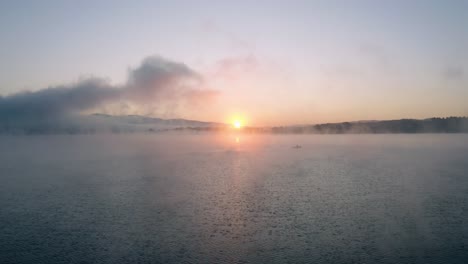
{"x": 118, "y": 125}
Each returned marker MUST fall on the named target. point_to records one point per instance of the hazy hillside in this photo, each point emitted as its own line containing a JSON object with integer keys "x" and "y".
{"x": 98, "y": 123}
{"x": 430, "y": 125}
{"x": 152, "y": 121}
{"x": 101, "y": 123}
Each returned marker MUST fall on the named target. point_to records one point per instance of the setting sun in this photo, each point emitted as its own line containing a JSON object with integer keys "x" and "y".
{"x": 237, "y": 124}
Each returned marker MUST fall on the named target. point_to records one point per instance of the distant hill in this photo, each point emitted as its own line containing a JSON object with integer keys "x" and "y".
{"x": 99, "y": 123}
{"x": 145, "y": 120}
{"x": 407, "y": 126}
{"x": 430, "y": 125}
{"x": 102, "y": 123}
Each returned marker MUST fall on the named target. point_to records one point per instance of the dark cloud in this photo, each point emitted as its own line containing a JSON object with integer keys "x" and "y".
{"x": 57, "y": 101}
{"x": 155, "y": 80}
{"x": 157, "y": 77}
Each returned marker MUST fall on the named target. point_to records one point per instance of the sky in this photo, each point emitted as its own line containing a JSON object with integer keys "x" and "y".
{"x": 268, "y": 62}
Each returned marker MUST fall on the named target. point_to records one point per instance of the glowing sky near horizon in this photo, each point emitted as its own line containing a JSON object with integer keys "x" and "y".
{"x": 273, "y": 62}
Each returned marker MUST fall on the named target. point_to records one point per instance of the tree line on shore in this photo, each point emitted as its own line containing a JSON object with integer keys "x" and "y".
{"x": 430, "y": 125}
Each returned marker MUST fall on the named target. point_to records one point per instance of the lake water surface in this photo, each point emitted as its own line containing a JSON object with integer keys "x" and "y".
{"x": 233, "y": 198}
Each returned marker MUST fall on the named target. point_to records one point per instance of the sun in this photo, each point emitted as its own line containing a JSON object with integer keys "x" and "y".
{"x": 237, "y": 121}
{"x": 237, "y": 124}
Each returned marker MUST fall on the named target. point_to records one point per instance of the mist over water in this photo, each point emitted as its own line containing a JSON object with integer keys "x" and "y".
{"x": 233, "y": 198}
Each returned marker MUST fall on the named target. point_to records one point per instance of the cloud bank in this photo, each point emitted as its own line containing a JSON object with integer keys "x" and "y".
{"x": 156, "y": 80}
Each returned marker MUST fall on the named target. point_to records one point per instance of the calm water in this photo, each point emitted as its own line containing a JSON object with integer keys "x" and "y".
{"x": 234, "y": 199}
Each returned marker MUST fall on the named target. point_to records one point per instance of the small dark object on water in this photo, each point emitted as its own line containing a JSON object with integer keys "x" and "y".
{"x": 297, "y": 146}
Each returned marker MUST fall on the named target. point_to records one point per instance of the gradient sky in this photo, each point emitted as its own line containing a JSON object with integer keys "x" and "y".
{"x": 273, "y": 62}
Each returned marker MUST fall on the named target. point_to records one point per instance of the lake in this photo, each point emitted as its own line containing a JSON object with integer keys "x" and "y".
{"x": 234, "y": 198}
